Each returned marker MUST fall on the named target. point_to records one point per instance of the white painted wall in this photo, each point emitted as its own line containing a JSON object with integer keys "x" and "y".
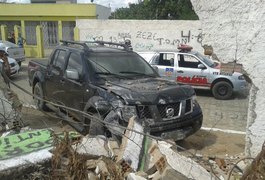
{"x": 144, "y": 35}
{"x": 236, "y": 30}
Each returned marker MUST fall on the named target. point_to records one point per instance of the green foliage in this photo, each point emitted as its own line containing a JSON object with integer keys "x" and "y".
{"x": 157, "y": 9}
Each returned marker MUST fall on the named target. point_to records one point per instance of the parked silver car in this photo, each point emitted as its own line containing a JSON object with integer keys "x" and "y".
{"x": 14, "y": 67}
{"x": 13, "y": 51}
{"x": 190, "y": 67}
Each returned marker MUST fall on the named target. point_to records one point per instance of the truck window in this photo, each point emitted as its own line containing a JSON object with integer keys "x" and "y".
{"x": 59, "y": 59}
{"x": 166, "y": 59}
{"x": 75, "y": 62}
{"x": 187, "y": 61}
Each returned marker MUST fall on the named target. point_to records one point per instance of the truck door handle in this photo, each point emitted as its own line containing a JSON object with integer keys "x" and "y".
{"x": 180, "y": 71}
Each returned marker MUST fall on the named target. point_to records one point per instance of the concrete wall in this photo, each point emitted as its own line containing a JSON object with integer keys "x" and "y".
{"x": 236, "y": 31}
{"x": 144, "y": 35}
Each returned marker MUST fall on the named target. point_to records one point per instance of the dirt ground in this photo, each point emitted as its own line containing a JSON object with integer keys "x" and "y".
{"x": 205, "y": 143}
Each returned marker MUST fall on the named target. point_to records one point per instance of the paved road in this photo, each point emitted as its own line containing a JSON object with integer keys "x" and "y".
{"x": 220, "y": 114}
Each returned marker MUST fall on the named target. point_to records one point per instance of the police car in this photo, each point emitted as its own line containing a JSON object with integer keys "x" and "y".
{"x": 190, "y": 67}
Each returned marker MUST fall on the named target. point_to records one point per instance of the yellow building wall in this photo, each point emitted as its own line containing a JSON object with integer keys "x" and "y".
{"x": 45, "y": 12}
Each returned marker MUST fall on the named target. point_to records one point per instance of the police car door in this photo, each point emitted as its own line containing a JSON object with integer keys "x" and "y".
{"x": 190, "y": 70}
{"x": 165, "y": 63}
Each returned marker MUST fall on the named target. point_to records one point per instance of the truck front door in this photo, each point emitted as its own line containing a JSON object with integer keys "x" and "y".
{"x": 75, "y": 89}
{"x": 189, "y": 71}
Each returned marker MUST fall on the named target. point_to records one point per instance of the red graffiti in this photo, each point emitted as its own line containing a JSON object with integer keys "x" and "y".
{"x": 192, "y": 80}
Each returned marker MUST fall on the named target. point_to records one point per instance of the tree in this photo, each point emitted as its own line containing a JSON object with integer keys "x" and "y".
{"x": 157, "y": 9}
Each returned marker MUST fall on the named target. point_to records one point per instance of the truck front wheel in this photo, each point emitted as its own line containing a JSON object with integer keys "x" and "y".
{"x": 222, "y": 90}
{"x": 38, "y": 92}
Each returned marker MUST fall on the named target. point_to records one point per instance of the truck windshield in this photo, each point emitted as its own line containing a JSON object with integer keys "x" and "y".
{"x": 121, "y": 64}
{"x": 207, "y": 61}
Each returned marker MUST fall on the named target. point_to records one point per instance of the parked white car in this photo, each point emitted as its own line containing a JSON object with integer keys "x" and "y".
{"x": 14, "y": 66}
{"x": 13, "y": 51}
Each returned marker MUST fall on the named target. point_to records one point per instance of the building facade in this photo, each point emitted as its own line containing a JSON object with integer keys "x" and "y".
{"x": 56, "y": 19}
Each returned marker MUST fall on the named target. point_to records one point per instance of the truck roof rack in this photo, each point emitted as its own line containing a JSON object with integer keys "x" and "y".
{"x": 126, "y": 45}
{"x": 83, "y": 44}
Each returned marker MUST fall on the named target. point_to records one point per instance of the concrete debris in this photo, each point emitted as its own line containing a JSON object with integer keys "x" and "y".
{"x": 133, "y": 176}
{"x": 102, "y": 158}
{"x": 182, "y": 164}
{"x": 97, "y": 146}
{"x": 132, "y": 143}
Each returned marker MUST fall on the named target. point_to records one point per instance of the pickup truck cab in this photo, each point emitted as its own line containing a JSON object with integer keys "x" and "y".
{"x": 111, "y": 83}
{"x": 190, "y": 67}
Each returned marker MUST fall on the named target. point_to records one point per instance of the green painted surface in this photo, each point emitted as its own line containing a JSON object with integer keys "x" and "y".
{"x": 26, "y": 142}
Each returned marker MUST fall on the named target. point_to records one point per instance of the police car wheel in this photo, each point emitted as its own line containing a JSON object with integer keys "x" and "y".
{"x": 222, "y": 90}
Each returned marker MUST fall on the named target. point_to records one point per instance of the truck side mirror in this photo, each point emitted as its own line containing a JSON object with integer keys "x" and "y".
{"x": 201, "y": 66}
{"x": 155, "y": 68}
{"x": 72, "y": 74}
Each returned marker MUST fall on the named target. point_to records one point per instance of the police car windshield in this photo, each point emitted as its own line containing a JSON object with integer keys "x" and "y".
{"x": 206, "y": 60}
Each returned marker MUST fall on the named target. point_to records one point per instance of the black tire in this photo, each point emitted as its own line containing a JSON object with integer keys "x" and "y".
{"x": 93, "y": 126}
{"x": 222, "y": 90}
{"x": 39, "y": 103}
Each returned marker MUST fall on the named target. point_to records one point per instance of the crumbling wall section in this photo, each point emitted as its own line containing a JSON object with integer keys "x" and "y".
{"x": 236, "y": 31}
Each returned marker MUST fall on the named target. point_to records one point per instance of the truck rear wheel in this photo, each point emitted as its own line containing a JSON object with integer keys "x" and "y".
{"x": 38, "y": 92}
{"x": 93, "y": 125}
{"x": 222, "y": 90}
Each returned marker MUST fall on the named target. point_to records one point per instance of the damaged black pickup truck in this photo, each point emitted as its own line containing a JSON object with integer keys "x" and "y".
{"x": 112, "y": 83}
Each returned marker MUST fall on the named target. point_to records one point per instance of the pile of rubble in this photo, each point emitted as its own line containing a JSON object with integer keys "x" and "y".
{"x": 137, "y": 157}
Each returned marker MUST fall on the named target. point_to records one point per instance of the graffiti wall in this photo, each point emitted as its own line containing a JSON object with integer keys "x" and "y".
{"x": 27, "y": 142}
{"x": 144, "y": 35}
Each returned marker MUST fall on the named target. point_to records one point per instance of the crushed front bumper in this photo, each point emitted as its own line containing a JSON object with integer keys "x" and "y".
{"x": 179, "y": 128}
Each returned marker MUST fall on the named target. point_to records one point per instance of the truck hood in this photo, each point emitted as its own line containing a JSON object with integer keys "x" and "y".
{"x": 149, "y": 91}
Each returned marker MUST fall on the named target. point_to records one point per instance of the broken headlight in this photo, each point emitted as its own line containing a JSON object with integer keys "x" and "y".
{"x": 194, "y": 99}
{"x": 125, "y": 112}
{"x": 128, "y": 112}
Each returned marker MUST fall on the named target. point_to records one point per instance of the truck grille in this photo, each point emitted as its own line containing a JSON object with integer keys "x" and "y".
{"x": 144, "y": 112}
{"x": 163, "y": 110}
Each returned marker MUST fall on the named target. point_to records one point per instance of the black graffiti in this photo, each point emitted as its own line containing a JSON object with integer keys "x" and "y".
{"x": 29, "y": 136}
{"x": 16, "y": 151}
{"x": 186, "y": 37}
{"x": 35, "y": 145}
{"x": 124, "y": 36}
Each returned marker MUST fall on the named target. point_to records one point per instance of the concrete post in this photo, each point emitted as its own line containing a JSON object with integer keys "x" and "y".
{"x": 76, "y": 34}
{"x": 17, "y": 32}
{"x": 23, "y": 32}
{"x": 40, "y": 43}
{"x": 60, "y": 30}
{"x": 4, "y": 33}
